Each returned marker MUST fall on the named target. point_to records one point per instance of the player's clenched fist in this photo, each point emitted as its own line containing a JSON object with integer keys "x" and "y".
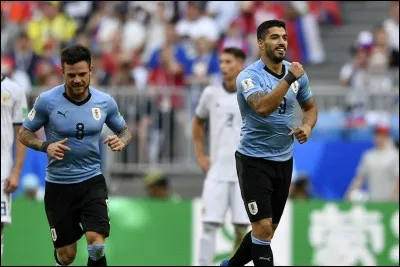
{"x": 297, "y": 69}
{"x": 301, "y": 133}
{"x": 57, "y": 149}
{"x": 114, "y": 143}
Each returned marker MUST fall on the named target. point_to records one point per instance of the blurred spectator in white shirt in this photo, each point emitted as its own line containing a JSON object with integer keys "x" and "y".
{"x": 195, "y": 24}
{"x": 379, "y": 77}
{"x": 392, "y": 26}
{"x": 223, "y": 13}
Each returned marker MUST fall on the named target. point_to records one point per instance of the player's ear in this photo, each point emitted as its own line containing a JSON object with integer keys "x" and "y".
{"x": 261, "y": 44}
{"x": 90, "y": 69}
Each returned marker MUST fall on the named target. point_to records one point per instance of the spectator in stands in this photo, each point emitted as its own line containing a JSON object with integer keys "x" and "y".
{"x": 100, "y": 75}
{"x": 24, "y": 57}
{"x": 223, "y": 13}
{"x": 235, "y": 37}
{"x": 196, "y": 24}
{"x": 9, "y": 32}
{"x": 205, "y": 68}
{"x": 80, "y": 11}
{"x": 353, "y": 75}
{"x": 123, "y": 75}
{"x": 379, "y": 169}
{"x": 379, "y": 77}
{"x": 158, "y": 187}
{"x": 391, "y": 26}
{"x": 53, "y": 26}
{"x": 19, "y": 76}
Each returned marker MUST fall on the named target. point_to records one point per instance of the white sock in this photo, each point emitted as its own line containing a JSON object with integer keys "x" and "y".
{"x": 207, "y": 244}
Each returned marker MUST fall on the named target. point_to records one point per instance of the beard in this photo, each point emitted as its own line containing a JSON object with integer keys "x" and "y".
{"x": 276, "y": 59}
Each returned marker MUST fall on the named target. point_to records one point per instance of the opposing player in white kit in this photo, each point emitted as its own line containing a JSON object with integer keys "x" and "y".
{"x": 13, "y": 111}
{"x": 221, "y": 187}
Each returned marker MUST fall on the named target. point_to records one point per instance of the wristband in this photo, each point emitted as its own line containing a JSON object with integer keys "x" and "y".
{"x": 44, "y": 146}
{"x": 290, "y": 78}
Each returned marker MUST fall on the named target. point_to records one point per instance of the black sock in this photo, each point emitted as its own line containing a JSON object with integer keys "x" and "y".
{"x": 262, "y": 255}
{"x": 243, "y": 253}
{"x": 101, "y": 262}
{"x": 55, "y": 256}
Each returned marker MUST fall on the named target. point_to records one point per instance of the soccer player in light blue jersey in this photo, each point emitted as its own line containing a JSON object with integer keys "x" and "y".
{"x": 266, "y": 92}
{"x": 76, "y": 197}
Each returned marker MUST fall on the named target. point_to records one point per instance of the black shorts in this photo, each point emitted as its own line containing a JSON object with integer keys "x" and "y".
{"x": 71, "y": 207}
{"x": 264, "y": 185}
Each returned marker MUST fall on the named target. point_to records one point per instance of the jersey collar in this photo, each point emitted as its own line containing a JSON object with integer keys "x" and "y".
{"x": 78, "y": 103}
{"x": 278, "y": 76}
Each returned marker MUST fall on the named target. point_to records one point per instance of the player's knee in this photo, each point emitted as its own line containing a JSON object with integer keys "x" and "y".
{"x": 241, "y": 230}
{"x": 66, "y": 255}
{"x": 263, "y": 229}
{"x": 96, "y": 251}
{"x": 94, "y": 238}
{"x": 210, "y": 229}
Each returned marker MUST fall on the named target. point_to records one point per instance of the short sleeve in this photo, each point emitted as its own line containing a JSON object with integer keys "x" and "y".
{"x": 203, "y": 107}
{"x": 248, "y": 83}
{"x": 114, "y": 119}
{"x": 38, "y": 116}
{"x": 20, "y": 109}
{"x": 396, "y": 166}
{"x": 304, "y": 94}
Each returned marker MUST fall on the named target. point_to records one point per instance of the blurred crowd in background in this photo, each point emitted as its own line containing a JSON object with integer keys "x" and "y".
{"x": 140, "y": 43}
{"x": 165, "y": 47}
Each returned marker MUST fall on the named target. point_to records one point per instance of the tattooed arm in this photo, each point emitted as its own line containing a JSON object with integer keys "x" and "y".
{"x": 265, "y": 104}
{"x": 125, "y": 136}
{"x": 29, "y": 139}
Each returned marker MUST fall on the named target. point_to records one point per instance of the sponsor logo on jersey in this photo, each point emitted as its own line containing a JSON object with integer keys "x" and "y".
{"x": 247, "y": 84}
{"x": 295, "y": 87}
{"x": 5, "y": 97}
{"x": 31, "y": 114}
{"x": 96, "y": 113}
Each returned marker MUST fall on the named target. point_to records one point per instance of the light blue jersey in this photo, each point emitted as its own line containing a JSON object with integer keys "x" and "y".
{"x": 267, "y": 137}
{"x": 80, "y": 122}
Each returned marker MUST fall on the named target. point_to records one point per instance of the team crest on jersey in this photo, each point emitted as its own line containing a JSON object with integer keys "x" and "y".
{"x": 253, "y": 208}
{"x": 96, "y": 113}
{"x": 53, "y": 234}
{"x": 295, "y": 87}
{"x": 247, "y": 84}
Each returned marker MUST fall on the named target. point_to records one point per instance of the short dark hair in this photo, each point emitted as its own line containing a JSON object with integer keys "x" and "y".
{"x": 263, "y": 27}
{"x": 74, "y": 54}
{"x": 236, "y": 52}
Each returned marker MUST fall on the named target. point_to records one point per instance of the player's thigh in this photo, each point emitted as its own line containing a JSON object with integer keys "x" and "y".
{"x": 255, "y": 180}
{"x": 215, "y": 200}
{"x": 62, "y": 214}
{"x": 239, "y": 215}
{"x": 94, "y": 207}
{"x": 281, "y": 189}
{"x": 5, "y": 205}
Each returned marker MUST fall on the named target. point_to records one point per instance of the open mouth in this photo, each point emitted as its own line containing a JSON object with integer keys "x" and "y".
{"x": 282, "y": 50}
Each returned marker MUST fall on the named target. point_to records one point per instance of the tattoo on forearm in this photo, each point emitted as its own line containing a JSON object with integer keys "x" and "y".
{"x": 254, "y": 99}
{"x": 30, "y": 139}
{"x": 125, "y": 136}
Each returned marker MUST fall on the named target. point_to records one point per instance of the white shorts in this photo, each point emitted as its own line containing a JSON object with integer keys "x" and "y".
{"x": 5, "y": 205}
{"x": 218, "y": 197}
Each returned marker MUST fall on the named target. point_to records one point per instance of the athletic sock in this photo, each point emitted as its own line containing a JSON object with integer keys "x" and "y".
{"x": 242, "y": 255}
{"x": 261, "y": 252}
{"x": 100, "y": 262}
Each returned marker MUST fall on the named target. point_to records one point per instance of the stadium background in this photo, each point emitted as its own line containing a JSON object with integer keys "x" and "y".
{"x": 155, "y": 58}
